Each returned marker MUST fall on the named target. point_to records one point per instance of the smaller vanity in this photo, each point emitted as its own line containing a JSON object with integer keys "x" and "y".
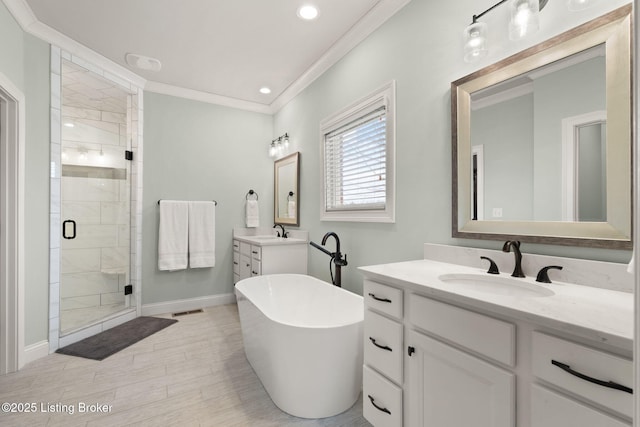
{"x": 258, "y": 251}
{"x": 450, "y": 344}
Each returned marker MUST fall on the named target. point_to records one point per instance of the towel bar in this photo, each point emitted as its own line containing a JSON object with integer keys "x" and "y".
{"x": 214, "y": 201}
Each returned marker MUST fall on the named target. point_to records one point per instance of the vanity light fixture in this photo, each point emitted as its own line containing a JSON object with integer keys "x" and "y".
{"x": 279, "y": 145}
{"x": 524, "y": 21}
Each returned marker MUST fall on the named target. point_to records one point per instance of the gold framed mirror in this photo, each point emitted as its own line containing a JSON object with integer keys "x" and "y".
{"x": 519, "y": 169}
{"x": 286, "y": 202}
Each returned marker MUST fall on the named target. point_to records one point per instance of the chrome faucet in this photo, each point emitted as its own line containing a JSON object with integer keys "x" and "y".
{"x": 515, "y": 245}
{"x": 336, "y": 257}
{"x": 284, "y": 233}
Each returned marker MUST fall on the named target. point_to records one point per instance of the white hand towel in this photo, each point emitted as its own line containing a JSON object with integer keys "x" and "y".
{"x": 173, "y": 235}
{"x": 202, "y": 234}
{"x": 252, "y": 213}
{"x": 291, "y": 208}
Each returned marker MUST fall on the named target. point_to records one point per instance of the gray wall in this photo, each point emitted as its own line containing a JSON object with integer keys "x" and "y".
{"x": 506, "y": 132}
{"x": 199, "y": 151}
{"x": 24, "y": 60}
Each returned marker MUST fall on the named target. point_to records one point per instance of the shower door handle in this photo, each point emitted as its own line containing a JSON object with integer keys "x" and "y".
{"x": 64, "y": 229}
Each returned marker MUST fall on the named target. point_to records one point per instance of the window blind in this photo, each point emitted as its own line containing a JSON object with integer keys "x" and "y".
{"x": 355, "y": 163}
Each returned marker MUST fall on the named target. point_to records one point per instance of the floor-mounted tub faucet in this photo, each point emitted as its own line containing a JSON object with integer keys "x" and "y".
{"x": 336, "y": 257}
{"x": 515, "y": 245}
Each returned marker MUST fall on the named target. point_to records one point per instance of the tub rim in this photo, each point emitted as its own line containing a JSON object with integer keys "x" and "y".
{"x": 360, "y": 297}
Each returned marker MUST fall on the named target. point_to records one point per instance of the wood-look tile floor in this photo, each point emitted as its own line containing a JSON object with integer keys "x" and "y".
{"x": 193, "y": 373}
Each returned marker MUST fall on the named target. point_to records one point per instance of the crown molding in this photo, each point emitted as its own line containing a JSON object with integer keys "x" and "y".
{"x": 378, "y": 15}
{"x": 207, "y": 97}
{"x": 25, "y": 17}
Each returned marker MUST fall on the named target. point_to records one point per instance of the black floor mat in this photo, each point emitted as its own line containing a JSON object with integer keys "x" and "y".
{"x": 104, "y": 344}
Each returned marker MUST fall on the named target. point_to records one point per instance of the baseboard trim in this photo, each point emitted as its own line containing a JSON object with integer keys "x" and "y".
{"x": 35, "y": 351}
{"x": 187, "y": 304}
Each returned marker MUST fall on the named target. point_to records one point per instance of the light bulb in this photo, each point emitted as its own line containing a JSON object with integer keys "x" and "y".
{"x": 524, "y": 18}
{"x": 475, "y": 41}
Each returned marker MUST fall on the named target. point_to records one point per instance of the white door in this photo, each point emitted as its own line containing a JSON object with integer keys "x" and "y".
{"x": 448, "y": 387}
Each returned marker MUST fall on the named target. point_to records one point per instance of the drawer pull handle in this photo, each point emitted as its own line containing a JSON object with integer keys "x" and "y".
{"x": 379, "y": 299}
{"x": 254, "y": 252}
{"x": 609, "y": 384}
{"x": 379, "y": 408}
{"x": 384, "y": 347}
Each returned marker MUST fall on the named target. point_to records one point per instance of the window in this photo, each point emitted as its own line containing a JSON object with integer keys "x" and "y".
{"x": 358, "y": 155}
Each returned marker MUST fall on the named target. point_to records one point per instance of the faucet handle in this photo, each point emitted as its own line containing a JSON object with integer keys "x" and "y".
{"x": 543, "y": 274}
{"x": 493, "y": 267}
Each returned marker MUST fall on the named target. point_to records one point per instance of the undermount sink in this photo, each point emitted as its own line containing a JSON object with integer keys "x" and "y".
{"x": 269, "y": 237}
{"x": 497, "y": 285}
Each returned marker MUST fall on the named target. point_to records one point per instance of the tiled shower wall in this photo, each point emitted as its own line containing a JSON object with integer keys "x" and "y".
{"x": 134, "y": 114}
{"x": 96, "y": 193}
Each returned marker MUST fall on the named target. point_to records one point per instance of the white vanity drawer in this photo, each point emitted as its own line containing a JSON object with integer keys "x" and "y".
{"x": 245, "y": 248}
{"x": 381, "y": 400}
{"x": 551, "y": 409}
{"x": 236, "y": 262}
{"x": 383, "y": 298}
{"x": 584, "y": 361}
{"x": 256, "y": 252}
{"x": 485, "y": 335}
{"x": 383, "y": 345}
{"x": 256, "y": 267}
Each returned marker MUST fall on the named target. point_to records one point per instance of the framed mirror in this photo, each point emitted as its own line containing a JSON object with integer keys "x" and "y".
{"x": 541, "y": 141}
{"x": 286, "y": 184}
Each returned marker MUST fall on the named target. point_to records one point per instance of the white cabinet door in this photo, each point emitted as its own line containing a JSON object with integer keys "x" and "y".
{"x": 448, "y": 387}
{"x": 245, "y": 266}
{"x": 551, "y": 409}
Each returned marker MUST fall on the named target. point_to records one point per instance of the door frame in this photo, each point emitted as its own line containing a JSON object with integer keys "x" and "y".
{"x": 12, "y": 167}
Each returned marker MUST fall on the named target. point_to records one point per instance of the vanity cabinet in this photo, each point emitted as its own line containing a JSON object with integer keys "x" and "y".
{"x": 255, "y": 259}
{"x": 442, "y": 378}
{"x": 429, "y": 362}
{"x": 383, "y": 350}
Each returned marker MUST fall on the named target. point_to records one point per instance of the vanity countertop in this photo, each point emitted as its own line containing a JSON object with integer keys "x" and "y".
{"x": 593, "y": 313}
{"x": 270, "y": 240}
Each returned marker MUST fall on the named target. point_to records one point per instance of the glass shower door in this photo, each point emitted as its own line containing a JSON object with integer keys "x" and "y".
{"x": 95, "y": 199}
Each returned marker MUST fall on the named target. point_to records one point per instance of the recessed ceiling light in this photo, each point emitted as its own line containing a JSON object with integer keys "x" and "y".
{"x": 308, "y": 12}
{"x": 265, "y": 90}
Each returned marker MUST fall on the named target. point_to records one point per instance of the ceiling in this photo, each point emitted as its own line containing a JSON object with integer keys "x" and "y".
{"x": 227, "y": 48}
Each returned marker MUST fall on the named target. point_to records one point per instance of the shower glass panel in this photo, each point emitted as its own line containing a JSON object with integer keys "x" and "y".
{"x": 95, "y": 198}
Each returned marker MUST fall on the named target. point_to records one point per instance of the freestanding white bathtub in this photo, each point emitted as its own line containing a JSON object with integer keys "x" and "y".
{"x": 303, "y": 338}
